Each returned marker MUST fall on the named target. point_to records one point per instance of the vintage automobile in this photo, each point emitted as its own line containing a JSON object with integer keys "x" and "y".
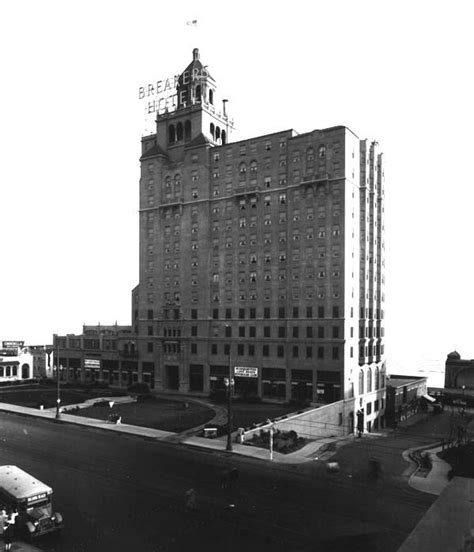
{"x": 32, "y": 499}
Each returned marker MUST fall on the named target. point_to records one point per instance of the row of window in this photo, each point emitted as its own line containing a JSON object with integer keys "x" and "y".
{"x": 282, "y": 332}
{"x": 8, "y": 371}
{"x": 371, "y": 380}
{"x": 267, "y": 312}
{"x": 271, "y": 350}
{"x": 296, "y": 155}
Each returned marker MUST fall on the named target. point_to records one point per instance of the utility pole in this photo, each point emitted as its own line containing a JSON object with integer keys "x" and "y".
{"x": 58, "y": 399}
{"x": 230, "y": 383}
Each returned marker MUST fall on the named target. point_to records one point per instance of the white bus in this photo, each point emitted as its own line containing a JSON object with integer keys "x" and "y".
{"x": 32, "y": 499}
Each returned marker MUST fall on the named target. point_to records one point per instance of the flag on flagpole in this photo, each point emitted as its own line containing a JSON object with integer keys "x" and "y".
{"x": 193, "y": 22}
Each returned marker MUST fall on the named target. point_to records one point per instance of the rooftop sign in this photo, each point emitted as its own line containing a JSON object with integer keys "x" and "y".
{"x": 161, "y": 96}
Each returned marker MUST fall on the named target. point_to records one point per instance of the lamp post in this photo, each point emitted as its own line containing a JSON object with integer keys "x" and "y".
{"x": 272, "y": 429}
{"x": 58, "y": 398}
{"x": 463, "y": 410}
{"x": 229, "y": 382}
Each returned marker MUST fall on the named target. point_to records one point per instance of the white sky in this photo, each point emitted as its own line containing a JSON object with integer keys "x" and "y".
{"x": 71, "y": 122}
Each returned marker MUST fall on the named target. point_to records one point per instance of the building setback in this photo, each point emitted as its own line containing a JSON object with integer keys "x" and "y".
{"x": 267, "y": 253}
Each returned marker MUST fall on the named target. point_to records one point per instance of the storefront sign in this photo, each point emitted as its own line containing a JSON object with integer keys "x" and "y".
{"x": 245, "y": 372}
{"x": 91, "y": 363}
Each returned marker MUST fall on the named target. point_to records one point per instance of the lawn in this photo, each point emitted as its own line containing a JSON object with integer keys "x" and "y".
{"x": 157, "y": 414}
{"x": 34, "y": 396}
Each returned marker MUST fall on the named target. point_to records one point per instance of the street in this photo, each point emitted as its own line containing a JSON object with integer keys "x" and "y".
{"x": 123, "y": 493}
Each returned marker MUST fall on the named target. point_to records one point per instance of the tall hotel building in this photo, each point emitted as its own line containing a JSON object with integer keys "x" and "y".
{"x": 267, "y": 254}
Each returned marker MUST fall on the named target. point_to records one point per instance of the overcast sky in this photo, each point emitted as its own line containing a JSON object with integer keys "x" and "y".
{"x": 71, "y": 123}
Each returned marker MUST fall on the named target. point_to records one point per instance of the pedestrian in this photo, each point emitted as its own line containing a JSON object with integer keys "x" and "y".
{"x": 3, "y": 520}
{"x": 8, "y": 534}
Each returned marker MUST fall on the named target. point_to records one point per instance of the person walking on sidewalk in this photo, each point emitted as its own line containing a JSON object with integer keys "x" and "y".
{"x": 8, "y": 534}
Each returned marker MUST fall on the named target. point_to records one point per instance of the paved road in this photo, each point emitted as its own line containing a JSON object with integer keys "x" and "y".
{"x": 125, "y": 493}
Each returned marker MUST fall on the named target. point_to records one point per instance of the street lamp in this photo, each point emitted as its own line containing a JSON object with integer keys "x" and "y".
{"x": 272, "y": 429}
{"x": 463, "y": 400}
{"x": 229, "y": 383}
{"x": 58, "y": 398}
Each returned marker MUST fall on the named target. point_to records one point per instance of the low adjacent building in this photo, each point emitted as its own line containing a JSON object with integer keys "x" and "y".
{"x": 104, "y": 354}
{"x": 405, "y": 397}
{"x": 16, "y": 362}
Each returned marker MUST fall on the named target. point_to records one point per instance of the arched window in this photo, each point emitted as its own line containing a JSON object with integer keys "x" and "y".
{"x": 242, "y": 168}
{"x": 369, "y": 380}
{"x": 211, "y": 96}
{"x": 179, "y": 131}
{"x": 218, "y": 133}
{"x": 187, "y": 130}
{"x": 322, "y": 151}
{"x": 25, "y": 371}
{"x": 223, "y": 137}
{"x": 211, "y": 128}
{"x": 377, "y": 378}
{"x": 310, "y": 154}
{"x": 198, "y": 93}
{"x": 253, "y": 166}
{"x": 171, "y": 134}
{"x": 361, "y": 382}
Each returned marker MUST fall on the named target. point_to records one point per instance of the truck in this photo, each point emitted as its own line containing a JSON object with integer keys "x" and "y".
{"x": 31, "y": 499}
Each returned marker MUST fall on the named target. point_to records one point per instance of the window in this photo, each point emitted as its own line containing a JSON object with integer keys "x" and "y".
{"x": 309, "y": 352}
{"x": 309, "y": 331}
{"x": 335, "y": 312}
{"x": 295, "y": 351}
{"x": 295, "y": 331}
{"x": 335, "y": 353}
{"x": 280, "y": 351}
{"x": 335, "y": 332}
{"x": 309, "y": 312}
{"x": 240, "y": 349}
{"x": 320, "y": 353}
{"x": 252, "y": 312}
{"x": 194, "y": 348}
{"x": 150, "y": 347}
{"x": 295, "y": 312}
{"x": 361, "y": 382}
{"x": 320, "y": 312}
{"x": 241, "y": 314}
{"x": 281, "y": 331}
{"x": 194, "y": 330}
{"x": 281, "y": 312}
{"x": 215, "y": 314}
{"x": 251, "y": 350}
{"x": 266, "y": 312}
{"x": 265, "y": 350}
